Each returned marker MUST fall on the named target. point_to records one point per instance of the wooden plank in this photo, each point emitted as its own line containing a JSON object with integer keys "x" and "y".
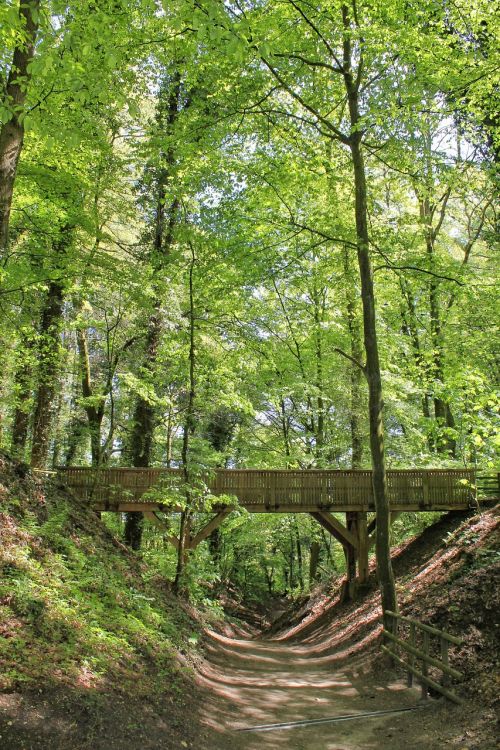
{"x": 205, "y": 532}
{"x": 431, "y": 683}
{"x": 422, "y": 654}
{"x": 284, "y": 491}
{"x": 134, "y": 507}
{"x": 428, "y": 628}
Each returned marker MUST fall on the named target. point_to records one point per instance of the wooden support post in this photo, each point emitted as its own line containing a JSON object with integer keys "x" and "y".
{"x": 205, "y": 532}
{"x": 361, "y": 524}
{"x": 351, "y": 553}
{"x": 349, "y": 541}
{"x": 335, "y": 528}
{"x": 445, "y": 660}
{"x": 425, "y": 490}
{"x": 163, "y": 525}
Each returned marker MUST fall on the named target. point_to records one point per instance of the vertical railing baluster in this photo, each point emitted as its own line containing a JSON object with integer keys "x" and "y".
{"x": 411, "y": 659}
{"x": 445, "y": 660}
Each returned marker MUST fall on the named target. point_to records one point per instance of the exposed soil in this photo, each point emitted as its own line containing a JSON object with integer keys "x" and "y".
{"x": 322, "y": 659}
{"x": 251, "y": 683}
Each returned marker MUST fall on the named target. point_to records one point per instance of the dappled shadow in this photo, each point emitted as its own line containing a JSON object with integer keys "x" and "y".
{"x": 255, "y": 682}
{"x": 67, "y": 718}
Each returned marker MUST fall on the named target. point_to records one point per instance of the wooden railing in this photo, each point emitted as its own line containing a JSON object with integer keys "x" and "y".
{"x": 488, "y": 486}
{"x": 411, "y": 489}
{"x": 418, "y": 647}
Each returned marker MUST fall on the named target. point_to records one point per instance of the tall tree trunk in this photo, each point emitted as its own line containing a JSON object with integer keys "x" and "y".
{"x": 12, "y": 132}
{"x": 372, "y": 367}
{"x": 357, "y": 390}
{"x": 141, "y": 441}
{"x": 48, "y": 369}
{"x": 189, "y": 428}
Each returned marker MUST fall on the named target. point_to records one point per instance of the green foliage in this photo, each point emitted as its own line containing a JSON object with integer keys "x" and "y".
{"x": 251, "y": 168}
{"x": 71, "y": 595}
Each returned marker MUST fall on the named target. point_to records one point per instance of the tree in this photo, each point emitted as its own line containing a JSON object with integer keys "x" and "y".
{"x": 13, "y": 109}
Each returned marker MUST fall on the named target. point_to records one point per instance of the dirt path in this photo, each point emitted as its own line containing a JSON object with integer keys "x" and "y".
{"x": 252, "y": 682}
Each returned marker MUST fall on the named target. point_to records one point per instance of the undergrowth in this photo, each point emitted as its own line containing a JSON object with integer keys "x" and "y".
{"x": 75, "y": 606}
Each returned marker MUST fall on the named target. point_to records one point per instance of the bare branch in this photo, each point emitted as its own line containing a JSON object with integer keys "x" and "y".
{"x": 392, "y": 267}
{"x": 311, "y": 63}
{"x": 318, "y": 33}
{"x": 338, "y": 133}
{"x": 351, "y": 359}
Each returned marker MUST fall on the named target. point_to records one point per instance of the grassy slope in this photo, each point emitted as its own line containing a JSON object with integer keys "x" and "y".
{"x": 84, "y": 627}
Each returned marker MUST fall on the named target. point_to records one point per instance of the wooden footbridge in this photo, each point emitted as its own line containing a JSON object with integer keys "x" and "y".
{"x": 315, "y": 491}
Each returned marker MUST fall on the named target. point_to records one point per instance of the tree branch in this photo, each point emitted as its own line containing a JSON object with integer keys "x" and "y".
{"x": 351, "y": 359}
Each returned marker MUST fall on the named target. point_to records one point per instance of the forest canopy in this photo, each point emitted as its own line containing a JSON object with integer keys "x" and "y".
{"x": 249, "y": 234}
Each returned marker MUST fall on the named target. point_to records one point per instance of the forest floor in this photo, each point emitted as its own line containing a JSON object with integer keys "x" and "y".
{"x": 323, "y": 660}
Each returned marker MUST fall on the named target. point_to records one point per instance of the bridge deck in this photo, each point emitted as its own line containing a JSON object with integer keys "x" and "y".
{"x": 271, "y": 491}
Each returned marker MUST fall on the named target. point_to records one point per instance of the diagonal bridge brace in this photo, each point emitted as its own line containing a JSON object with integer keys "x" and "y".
{"x": 195, "y": 540}
{"x": 335, "y": 528}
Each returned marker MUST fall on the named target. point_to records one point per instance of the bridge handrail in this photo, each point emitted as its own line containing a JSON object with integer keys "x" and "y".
{"x": 422, "y": 488}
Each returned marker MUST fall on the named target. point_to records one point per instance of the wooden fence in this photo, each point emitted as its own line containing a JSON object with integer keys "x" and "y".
{"x": 488, "y": 486}
{"x": 418, "y": 647}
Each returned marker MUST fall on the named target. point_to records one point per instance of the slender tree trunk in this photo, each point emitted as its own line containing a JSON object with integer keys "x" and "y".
{"x": 12, "y": 132}
{"x": 298, "y": 544}
{"x": 285, "y": 429}
{"x": 442, "y": 411}
{"x": 357, "y": 390}
{"x": 314, "y": 561}
{"x": 23, "y": 390}
{"x": 48, "y": 369}
{"x": 94, "y": 412}
{"x": 189, "y": 428}
{"x": 291, "y": 560}
{"x": 410, "y": 329}
{"x": 141, "y": 441}
{"x": 318, "y": 351}
{"x": 372, "y": 367}
{"x": 57, "y": 429}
